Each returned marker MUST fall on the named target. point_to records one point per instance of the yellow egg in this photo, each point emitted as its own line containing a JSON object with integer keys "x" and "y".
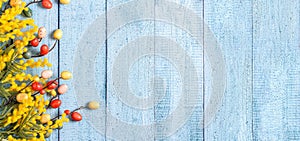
{"x": 66, "y": 75}
{"x": 21, "y": 97}
{"x": 65, "y": 1}
{"x": 93, "y": 105}
{"x": 45, "y": 118}
{"x": 57, "y": 34}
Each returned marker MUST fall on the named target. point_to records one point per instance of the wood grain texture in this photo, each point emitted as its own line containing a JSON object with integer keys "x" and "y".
{"x": 182, "y": 23}
{"x": 231, "y": 23}
{"x": 125, "y": 97}
{"x": 276, "y": 72}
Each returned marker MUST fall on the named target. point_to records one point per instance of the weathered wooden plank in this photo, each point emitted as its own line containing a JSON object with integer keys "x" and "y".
{"x": 178, "y": 70}
{"x": 130, "y": 44}
{"x": 82, "y": 51}
{"x": 48, "y": 19}
{"x": 276, "y": 73}
{"x": 228, "y": 114}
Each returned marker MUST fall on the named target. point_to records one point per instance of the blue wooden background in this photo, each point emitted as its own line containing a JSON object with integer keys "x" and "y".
{"x": 179, "y": 69}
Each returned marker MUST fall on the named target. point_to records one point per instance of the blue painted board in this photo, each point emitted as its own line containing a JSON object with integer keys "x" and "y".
{"x": 178, "y": 70}
{"x": 129, "y": 69}
{"x": 276, "y": 96}
{"x": 231, "y": 23}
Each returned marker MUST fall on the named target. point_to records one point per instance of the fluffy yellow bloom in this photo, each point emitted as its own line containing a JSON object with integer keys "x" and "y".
{"x": 12, "y": 28}
{"x": 22, "y": 107}
{"x": 27, "y": 115}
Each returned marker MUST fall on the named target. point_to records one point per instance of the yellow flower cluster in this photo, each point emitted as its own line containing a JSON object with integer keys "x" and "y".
{"x": 33, "y": 64}
{"x": 19, "y": 112}
{"x": 26, "y": 119}
{"x": 54, "y": 125}
{"x": 44, "y": 130}
{"x": 12, "y": 28}
{"x": 6, "y": 58}
{"x": 15, "y": 79}
{"x": 39, "y": 63}
{"x": 22, "y": 110}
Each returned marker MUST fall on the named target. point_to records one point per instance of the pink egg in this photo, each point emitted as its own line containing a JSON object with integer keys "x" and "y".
{"x": 46, "y": 74}
{"x": 62, "y": 89}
